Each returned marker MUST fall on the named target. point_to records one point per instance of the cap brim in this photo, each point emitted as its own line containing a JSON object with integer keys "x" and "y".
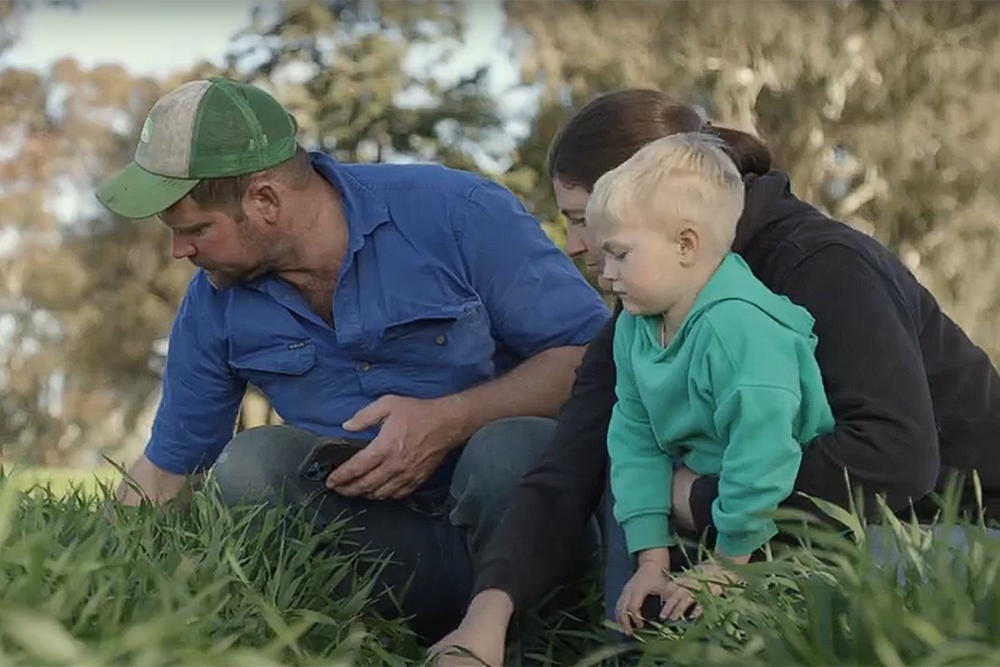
{"x": 136, "y": 193}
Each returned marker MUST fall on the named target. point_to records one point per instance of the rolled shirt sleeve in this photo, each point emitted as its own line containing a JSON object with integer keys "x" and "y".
{"x": 201, "y": 394}
{"x": 536, "y": 297}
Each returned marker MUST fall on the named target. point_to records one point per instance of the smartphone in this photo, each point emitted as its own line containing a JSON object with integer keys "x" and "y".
{"x": 327, "y": 455}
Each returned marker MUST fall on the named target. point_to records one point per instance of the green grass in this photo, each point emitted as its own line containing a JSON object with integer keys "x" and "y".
{"x": 83, "y": 582}
{"x": 63, "y": 480}
{"x": 828, "y": 602}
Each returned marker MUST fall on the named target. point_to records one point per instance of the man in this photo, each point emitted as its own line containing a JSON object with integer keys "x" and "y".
{"x": 416, "y": 306}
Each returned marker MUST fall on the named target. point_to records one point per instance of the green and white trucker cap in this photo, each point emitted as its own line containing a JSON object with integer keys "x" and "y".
{"x": 203, "y": 129}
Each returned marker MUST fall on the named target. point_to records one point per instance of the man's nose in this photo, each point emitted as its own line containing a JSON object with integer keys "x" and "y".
{"x": 182, "y": 248}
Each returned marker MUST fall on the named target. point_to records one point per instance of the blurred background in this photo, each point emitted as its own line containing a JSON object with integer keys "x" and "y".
{"x": 885, "y": 114}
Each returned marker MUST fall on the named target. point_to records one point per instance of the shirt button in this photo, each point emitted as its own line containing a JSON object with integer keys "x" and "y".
{"x": 441, "y": 340}
{"x": 364, "y": 365}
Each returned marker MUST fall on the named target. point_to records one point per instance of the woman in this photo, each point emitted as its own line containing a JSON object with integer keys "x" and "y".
{"x": 913, "y": 398}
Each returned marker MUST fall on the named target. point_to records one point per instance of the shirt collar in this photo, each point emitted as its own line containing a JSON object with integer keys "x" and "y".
{"x": 364, "y": 211}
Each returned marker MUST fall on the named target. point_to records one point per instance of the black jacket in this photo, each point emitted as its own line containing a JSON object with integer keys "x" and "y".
{"x": 912, "y": 396}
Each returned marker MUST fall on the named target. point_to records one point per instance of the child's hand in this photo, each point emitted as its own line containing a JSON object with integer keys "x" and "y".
{"x": 679, "y": 600}
{"x": 648, "y": 580}
{"x": 713, "y": 575}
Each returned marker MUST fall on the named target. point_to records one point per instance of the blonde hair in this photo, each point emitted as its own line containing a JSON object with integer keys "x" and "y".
{"x": 680, "y": 179}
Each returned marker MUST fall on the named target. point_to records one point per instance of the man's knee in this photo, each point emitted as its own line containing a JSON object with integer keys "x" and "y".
{"x": 258, "y": 463}
{"x": 498, "y": 456}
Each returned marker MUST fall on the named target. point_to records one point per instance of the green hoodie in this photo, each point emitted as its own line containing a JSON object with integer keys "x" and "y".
{"x": 735, "y": 394}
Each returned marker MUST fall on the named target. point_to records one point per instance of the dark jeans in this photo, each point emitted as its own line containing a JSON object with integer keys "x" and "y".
{"x": 434, "y": 536}
{"x": 618, "y": 566}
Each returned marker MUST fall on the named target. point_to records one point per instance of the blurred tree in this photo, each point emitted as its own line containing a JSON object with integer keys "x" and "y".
{"x": 372, "y": 81}
{"x": 83, "y": 297}
{"x": 89, "y": 298}
{"x": 883, "y": 113}
{"x": 368, "y": 81}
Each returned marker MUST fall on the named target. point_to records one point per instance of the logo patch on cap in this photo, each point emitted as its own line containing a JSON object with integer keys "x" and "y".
{"x": 147, "y": 131}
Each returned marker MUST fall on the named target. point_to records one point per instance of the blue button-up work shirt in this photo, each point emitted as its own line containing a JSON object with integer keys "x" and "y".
{"x": 447, "y": 282}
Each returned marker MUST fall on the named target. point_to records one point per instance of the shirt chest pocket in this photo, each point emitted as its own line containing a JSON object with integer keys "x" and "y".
{"x": 281, "y": 372}
{"x": 454, "y": 335}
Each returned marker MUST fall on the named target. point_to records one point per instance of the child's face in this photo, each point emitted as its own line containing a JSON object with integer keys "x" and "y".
{"x": 644, "y": 268}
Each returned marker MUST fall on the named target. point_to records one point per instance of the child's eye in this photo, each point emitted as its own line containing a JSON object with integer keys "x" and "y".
{"x": 577, "y": 222}
{"x": 618, "y": 255}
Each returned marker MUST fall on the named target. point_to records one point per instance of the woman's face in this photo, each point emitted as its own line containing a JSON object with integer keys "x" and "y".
{"x": 580, "y": 241}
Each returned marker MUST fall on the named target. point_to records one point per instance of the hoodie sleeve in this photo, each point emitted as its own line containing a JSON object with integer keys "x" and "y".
{"x": 869, "y": 352}
{"x": 752, "y": 372}
{"x": 641, "y": 472}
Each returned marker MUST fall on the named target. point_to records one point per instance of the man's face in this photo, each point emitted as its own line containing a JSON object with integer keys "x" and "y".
{"x": 643, "y": 268}
{"x": 230, "y": 249}
{"x": 580, "y": 241}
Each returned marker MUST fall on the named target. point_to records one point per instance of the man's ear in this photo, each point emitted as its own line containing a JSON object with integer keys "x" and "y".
{"x": 687, "y": 244}
{"x": 261, "y": 196}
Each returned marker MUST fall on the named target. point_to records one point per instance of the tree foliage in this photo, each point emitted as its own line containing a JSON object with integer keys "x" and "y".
{"x": 882, "y": 113}
{"x": 89, "y": 300}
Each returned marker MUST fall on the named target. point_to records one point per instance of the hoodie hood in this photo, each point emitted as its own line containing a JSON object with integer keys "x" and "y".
{"x": 734, "y": 280}
{"x": 768, "y": 201}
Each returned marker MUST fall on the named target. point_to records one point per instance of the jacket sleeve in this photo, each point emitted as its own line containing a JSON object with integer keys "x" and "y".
{"x": 540, "y": 541}
{"x": 869, "y": 353}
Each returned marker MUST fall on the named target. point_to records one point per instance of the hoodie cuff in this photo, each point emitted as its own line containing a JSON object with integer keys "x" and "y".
{"x": 744, "y": 544}
{"x": 648, "y": 531}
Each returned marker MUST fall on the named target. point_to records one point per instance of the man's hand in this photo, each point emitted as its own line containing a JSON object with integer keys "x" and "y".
{"x": 151, "y": 483}
{"x": 416, "y": 435}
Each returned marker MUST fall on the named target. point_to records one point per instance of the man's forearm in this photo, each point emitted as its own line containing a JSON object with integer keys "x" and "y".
{"x": 154, "y": 483}
{"x": 537, "y": 387}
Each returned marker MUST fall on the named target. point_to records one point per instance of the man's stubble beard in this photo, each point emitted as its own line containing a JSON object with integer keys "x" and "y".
{"x": 271, "y": 255}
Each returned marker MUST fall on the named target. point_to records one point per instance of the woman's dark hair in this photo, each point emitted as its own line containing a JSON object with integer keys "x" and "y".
{"x": 614, "y": 126}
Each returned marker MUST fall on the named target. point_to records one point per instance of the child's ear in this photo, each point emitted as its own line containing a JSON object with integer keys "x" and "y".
{"x": 687, "y": 244}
